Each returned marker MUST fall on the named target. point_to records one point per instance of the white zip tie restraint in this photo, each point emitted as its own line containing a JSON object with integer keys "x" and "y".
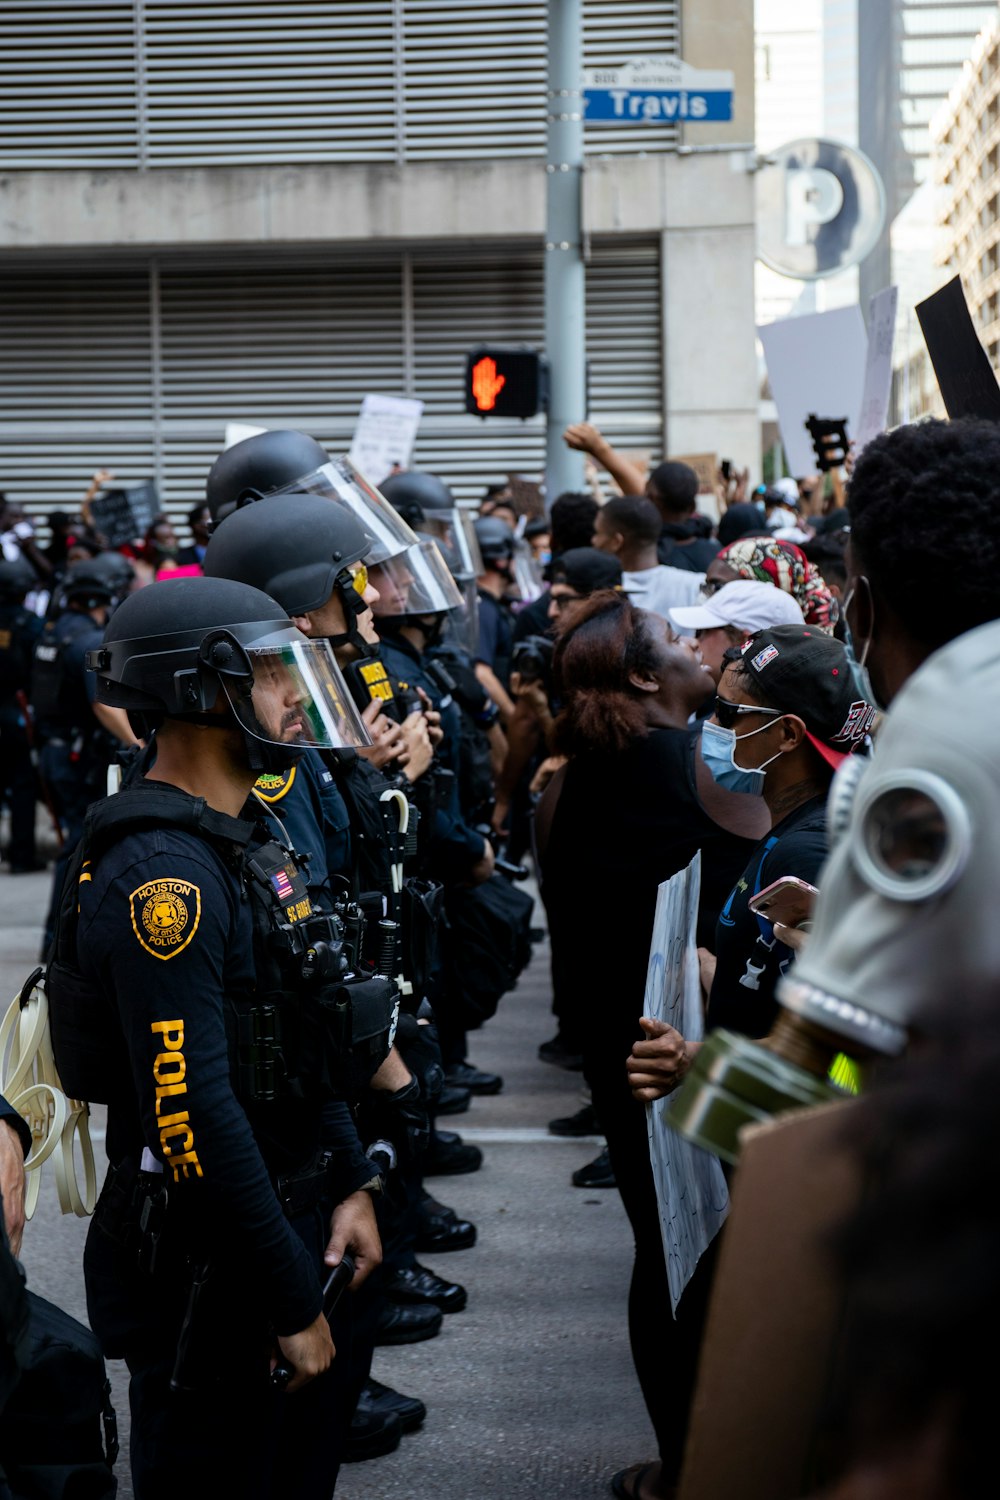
{"x": 30, "y": 1084}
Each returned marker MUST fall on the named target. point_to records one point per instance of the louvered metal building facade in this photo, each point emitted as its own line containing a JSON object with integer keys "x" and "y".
{"x": 257, "y": 212}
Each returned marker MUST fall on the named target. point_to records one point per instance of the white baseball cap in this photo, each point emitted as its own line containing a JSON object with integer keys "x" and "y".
{"x": 745, "y": 604}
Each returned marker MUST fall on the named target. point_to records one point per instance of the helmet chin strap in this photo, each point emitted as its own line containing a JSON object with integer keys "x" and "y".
{"x": 354, "y": 608}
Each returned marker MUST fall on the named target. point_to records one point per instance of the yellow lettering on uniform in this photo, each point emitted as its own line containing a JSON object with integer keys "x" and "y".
{"x": 172, "y": 1033}
{"x": 166, "y": 1089}
{"x": 167, "y": 1133}
{"x": 173, "y": 1120}
{"x": 184, "y": 1165}
{"x": 169, "y": 1067}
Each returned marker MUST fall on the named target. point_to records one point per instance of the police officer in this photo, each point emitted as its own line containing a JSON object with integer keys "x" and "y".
{"x": 19, "y": 633}
{"x": 236, "y": 1179}
{"x": 77, "y": 735}
{"x": 496, "y": 618}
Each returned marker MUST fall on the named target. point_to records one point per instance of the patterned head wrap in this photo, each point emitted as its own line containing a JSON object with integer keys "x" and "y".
{"x": 787, "y": 567}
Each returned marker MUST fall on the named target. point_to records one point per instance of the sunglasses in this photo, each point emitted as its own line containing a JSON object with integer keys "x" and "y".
{"x": 359, "y": 580}
{"x": 728, "y": 714}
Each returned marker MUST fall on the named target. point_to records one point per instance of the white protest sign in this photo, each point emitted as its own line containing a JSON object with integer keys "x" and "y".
{"x": 384, "y": 435}
{"x": 237, "y": 431}
{"x": 691, "y": 1190}
{"x": 816, "y": 366}
{"x": 878, "y": 371}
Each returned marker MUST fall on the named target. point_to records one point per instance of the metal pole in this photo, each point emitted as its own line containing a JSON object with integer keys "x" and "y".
{"x": 565, "y": 330}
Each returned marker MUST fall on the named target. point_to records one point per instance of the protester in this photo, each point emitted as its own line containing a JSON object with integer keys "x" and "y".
{"x": 728, "y": 616}
{"x": 673, "y": 489}
{"x": 780, "y": 563}
{"x": 626, "y": 813}
{"x": 629, "y": 529}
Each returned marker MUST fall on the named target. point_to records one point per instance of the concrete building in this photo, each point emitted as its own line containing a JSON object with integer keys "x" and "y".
{"x": 967, "y": 169}
{"x": 257, "y": 212}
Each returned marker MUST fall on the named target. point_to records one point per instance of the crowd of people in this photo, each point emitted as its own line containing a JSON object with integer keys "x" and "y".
{"x": 298, "y": 771}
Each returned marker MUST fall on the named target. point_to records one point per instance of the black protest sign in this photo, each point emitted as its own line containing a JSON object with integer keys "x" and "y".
{"x": 964, "y": 374}
{"x": 830, "y": 441}
{"x": 125, "y": 515}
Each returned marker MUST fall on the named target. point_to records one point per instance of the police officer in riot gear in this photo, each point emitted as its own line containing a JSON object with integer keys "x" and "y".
{"x": 237, "y": 1018}
{"x": 78, "y": 736}
{"x": 19, "y": 633}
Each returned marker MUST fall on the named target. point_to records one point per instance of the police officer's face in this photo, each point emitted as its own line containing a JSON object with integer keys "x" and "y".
{"x": 277, "y": 698}
{"x": 393, "y": 585}
{"x": 331, "y": 620}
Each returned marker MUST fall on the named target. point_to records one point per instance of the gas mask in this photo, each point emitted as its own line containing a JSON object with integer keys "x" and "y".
{"x": 902, "y": 916}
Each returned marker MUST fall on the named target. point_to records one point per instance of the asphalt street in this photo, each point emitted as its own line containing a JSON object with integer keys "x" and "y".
{"x": 530, "y": 1391}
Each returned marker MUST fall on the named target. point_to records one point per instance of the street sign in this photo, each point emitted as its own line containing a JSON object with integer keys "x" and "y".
{"x": 502, "y": 382}
{"x": 821, "y": 207}
{"x": 651, "y": 89}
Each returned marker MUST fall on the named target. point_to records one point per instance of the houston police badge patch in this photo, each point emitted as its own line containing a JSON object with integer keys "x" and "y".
{"x": 165, "y": 916}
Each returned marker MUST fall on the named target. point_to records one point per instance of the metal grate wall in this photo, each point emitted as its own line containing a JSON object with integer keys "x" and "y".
{"x": 138, "y": 364}
{"x": 158, "y": 83}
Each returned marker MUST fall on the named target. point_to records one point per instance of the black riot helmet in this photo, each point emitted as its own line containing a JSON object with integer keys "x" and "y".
{"x": 414, "y": 493}
{"x": 174, "y": 647}
{"x": 297, "y": 550}
{"x": 17, "y": 578}
{"x": 94, "y": 581}
{"x": 259, "y": 465}
{"x": 496, "y": 539}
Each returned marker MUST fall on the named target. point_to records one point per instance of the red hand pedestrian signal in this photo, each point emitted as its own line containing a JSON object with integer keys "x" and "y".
{"x": 486, "y": 383}
{"x": 502, "y": 382}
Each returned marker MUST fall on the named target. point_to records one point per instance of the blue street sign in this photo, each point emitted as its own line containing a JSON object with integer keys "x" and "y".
{"x": 656, "y": 88}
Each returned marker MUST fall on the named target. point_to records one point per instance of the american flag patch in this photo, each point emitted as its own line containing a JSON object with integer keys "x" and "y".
{"x": 282, "y": 885}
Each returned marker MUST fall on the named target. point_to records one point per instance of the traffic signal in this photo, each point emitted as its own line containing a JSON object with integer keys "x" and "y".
{"x": 504, "y": 382}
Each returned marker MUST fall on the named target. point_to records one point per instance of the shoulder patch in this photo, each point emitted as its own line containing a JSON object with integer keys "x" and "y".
{"x": 272, "y": 785}
{"x": 165, "y": 915}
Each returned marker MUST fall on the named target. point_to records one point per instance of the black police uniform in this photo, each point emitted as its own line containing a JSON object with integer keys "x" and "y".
{"x": 168, "y": 935}
{"x": 19, "y": 633}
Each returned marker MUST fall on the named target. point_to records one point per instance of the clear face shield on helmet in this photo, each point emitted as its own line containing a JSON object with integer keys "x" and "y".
{"x": 417, "y": 582}
{"x": 340, "y": 481}
{"x": 298, "y": 700}
{"x": 526, "y": 573}
{"x": 462, "y": 628}
{"x": 456, "y": 536}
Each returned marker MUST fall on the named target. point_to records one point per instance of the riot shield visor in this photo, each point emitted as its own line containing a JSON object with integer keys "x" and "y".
{"x": 339, "y": 480}
{"x": 462, "y": 629}
{"x": 298, "y": 698}
{"x": 456, "y": 536}
{"x": 417, "y": 582}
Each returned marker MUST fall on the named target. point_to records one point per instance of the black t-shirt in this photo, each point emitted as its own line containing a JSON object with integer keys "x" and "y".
{"x": 623, "y": 824}
{"x": 533, "y": 619}
{"x": 676, "y": 552}
{"x": 750, "y": 958}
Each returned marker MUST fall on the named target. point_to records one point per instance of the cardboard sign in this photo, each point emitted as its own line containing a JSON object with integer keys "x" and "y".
{"x": 384, "y": 436}
{"x": 968, "y": 385}
{"x": 691, "y": 1191}
{"x": 125, "y": 515}
{"x": 878, "y": 370}
{"x": 816, "y": 366}
{"x": 705, "y": 465}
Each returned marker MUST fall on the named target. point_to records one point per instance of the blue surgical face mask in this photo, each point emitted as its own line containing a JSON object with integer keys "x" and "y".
{"x": 718, "y": 751}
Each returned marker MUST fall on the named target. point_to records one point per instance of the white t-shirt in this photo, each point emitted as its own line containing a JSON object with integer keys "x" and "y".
{"x": 662, "y": 588}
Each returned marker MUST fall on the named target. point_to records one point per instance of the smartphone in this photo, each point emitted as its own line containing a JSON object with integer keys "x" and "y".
{"x": 788, "y": 900}
{"x": 727, "y": 468}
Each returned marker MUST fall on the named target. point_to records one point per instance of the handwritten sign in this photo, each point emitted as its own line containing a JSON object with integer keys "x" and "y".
{"x": 125, "y": 515}
{"x": 878, "y": 370}
{"x": 384, "y": 436}
{"x": 691, "y": 1190}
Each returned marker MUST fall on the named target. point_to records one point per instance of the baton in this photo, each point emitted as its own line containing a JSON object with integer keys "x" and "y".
{"x": 336, "y": 1283}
